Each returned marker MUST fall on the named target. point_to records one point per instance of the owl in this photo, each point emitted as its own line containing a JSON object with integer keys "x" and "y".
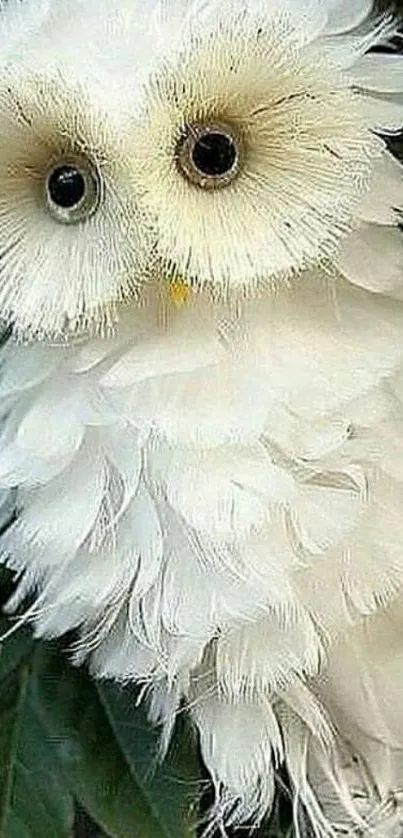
{"x": 201, "y": 389}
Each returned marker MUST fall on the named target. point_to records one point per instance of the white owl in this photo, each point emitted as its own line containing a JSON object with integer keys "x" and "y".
{"x": 202, "y": 395}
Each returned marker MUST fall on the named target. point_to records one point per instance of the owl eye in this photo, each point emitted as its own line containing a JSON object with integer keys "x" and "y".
{"x": 73, "y": 192}
{"x": 209, "y": 155}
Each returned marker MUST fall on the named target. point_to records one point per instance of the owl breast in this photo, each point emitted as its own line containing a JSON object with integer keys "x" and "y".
{"x": 245, "y": 446}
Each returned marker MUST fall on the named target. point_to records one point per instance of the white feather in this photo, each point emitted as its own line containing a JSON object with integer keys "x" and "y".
{"x": 382, "y": 73}
{"x": 345, "y": 15}
{"x": 267, "y": 655}
{"x": 237, "y": 741}
{"x": 383, "y": 204}
{"x": 203, "y": 437}
{"x": 373, "y": 258}
{"x": 385, "y": 112}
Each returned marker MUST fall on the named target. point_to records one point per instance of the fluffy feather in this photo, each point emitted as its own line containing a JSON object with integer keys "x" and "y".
{"x": 207, "y": 468}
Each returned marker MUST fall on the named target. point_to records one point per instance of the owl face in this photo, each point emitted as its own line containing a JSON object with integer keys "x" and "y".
{"x": 224, "y": 151}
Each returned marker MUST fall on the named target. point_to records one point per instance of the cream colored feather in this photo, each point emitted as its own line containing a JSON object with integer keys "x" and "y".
{"x": 202, "y": 394}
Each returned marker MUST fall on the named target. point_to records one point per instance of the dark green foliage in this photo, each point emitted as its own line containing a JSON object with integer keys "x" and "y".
{"x": 79, "y": 759}
{"x": 64, "y": 739}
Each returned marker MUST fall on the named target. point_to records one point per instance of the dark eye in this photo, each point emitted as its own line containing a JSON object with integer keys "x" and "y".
{"x": 72, "y": 192}
{"x": 66, "y": 186}
{"x": 209, "y": 155}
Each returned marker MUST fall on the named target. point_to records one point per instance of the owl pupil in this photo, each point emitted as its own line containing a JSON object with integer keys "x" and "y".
{"x": 214, "y": 154}
{"x": 210, "y": 155}
{"x": 66, "y": 186}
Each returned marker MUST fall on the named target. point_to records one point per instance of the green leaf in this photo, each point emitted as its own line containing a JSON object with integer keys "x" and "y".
{"x": 169, "y": 791}
{"x": 280, "y": 824}
{"x": 125, "y": 803}
{"x": 34, "y": 801}
{"x": 17, "y": 648}
{"x": 62, "y": 737}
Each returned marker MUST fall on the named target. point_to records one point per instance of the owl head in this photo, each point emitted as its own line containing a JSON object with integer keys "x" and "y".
{"x": 219, "y": 148}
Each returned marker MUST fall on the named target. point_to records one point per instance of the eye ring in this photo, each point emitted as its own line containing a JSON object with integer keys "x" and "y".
{"x": 209, "y": 155}
{"x": 73, "y": 190}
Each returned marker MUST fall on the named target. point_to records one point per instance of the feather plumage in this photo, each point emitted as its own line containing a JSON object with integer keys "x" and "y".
{"x": 202, "y": 419}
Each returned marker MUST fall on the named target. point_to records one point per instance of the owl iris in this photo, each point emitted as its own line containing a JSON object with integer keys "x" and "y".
{"x": 72, "y": 191}
{"x": 209, "y": 155}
